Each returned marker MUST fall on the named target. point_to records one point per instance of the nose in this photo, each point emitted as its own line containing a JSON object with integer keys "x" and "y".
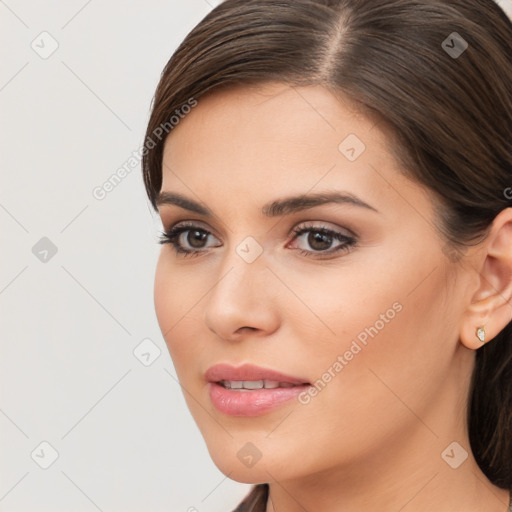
{"x": 242, "y": 301}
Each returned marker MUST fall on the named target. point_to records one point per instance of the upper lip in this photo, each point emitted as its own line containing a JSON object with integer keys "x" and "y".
{"x": 247, "y": 372}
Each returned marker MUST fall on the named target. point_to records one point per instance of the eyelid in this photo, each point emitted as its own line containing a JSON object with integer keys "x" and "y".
{"x": 189, "y": 223}
{"x": 321, "y": 224}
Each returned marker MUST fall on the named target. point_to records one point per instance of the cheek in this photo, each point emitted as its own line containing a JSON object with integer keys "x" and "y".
{"x": 392, "y": 346}
{"x": 176, "y": 304}
{"x": 391, "y": 317}
{"x": 166, "y": 291}
{"x": 177, "y": 290}
{"x": 180, "y": 296}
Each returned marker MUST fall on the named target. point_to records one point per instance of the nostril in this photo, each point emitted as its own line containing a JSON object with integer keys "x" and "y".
{"x": 247, "y": 327}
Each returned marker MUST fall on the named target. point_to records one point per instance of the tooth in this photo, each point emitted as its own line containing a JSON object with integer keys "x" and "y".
{"x": 253, "y": 384}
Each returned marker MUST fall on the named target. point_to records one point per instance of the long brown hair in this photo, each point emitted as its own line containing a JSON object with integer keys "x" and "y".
{"x": 437, "y": 73}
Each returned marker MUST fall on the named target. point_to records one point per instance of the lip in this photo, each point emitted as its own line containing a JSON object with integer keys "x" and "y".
{"x": 225, "y": 371}
{"x": 234, "y": 402}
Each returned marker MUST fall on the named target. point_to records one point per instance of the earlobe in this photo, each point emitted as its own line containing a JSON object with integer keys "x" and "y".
{"x": 490, "y": 308}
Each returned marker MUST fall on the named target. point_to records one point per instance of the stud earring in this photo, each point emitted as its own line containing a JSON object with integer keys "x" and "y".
{"x": 480, "y": 334}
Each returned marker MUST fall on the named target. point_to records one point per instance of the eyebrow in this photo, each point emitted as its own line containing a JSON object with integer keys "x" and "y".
{"x": 275, "y": 208}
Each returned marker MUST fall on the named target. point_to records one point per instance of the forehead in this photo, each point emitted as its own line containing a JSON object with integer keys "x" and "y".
{"x": 270, "y": 128}
{"x": 261, "y": 142}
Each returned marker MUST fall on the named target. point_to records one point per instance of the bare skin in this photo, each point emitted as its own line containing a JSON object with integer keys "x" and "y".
{"x": 377, "y": 436}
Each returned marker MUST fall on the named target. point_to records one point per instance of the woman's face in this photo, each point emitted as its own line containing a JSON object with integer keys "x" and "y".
{"x": 367, "y": 313}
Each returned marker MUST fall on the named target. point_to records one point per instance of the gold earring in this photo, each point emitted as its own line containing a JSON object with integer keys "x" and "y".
{"x": 480, "y": 333}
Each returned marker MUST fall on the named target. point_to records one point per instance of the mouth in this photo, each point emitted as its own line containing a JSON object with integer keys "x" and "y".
{"x": 250, "y": 390}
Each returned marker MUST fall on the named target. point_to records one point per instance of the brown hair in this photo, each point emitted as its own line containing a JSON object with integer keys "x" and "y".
{"x": 448, "y": 109}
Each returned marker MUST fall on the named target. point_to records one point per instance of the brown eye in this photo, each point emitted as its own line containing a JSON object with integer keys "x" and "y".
{"x": 186, "y": 239}
{"x": 195, "y": 237}
{"x": 320, "y": 240}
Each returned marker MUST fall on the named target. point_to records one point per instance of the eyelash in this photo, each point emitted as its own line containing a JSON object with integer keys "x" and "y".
{"x": 172, "y": 237}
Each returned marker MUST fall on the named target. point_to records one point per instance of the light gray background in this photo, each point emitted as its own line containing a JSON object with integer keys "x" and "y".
{"x": 70, "y": 324}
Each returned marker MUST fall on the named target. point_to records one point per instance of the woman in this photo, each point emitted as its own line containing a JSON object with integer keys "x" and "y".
{"x": 335, "y": 281}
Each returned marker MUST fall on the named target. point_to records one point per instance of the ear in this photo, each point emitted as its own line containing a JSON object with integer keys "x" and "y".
{"x": 490, "y": 303}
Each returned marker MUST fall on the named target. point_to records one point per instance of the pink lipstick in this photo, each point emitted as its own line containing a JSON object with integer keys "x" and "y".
{"x": 250, "y": 390}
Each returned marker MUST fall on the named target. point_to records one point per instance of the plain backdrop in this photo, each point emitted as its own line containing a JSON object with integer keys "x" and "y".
{"x": 91, "y": 415}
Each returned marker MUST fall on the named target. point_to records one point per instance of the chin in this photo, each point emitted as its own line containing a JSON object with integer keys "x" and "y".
{"x": 249, "y": 477}
{"x": 243, "y": 472}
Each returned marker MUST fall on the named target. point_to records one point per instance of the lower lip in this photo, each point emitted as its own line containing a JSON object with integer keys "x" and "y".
{"x": 251, "y": 402}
